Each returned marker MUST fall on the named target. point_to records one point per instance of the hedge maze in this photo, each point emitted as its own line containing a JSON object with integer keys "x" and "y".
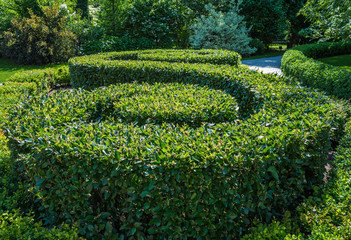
{"x": 172, "y": 144}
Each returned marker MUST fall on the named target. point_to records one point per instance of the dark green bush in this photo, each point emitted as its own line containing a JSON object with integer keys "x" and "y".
{"x": 119, "y": 178}
{"x": 299, "y": 64}
{"x": 39, "y": 40}
{"x": 110, "y": 44}
{"x": 256, "y": 43}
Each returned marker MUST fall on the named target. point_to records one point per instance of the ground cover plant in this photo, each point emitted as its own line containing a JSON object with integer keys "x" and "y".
{"x": 151, "y": 175}
{"x": 301, "y": 63}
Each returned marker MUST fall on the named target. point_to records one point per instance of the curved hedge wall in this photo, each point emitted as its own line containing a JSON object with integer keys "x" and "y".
{"x": 300, "y": 64}
{"x": 153, "y": 176}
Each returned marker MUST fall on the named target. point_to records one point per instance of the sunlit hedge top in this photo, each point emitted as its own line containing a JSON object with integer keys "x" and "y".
{"x": 301, "y": 63}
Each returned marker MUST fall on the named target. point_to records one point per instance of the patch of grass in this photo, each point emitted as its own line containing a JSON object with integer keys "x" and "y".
{"x": 9, "y": 68}
{"x": 267, "y": 54}
{"x": 341, "y": 60}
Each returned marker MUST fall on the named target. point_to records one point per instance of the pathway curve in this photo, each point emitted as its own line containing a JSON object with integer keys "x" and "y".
{"x": 266, "y": 65}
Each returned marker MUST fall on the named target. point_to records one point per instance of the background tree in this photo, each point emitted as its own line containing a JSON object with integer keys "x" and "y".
{"x": 296, "y": 22}
{"x": 221, "y": 30}
{"x": 83, "y": 6}
{"x": 331, "y": 19}
{"x": 112, "y": 14}
{"x": 267, "y": 18}
{"x": 159, "y": 20}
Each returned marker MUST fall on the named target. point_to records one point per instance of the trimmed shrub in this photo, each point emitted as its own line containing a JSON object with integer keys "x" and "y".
{"x": 43, "y": 78}
{"x": 134, "y": 179}
{"x": 26, "y": 83}
{"x": 299, "y": 64}
{"x": 39, "y": 40}
{"x": 327, "y": 214}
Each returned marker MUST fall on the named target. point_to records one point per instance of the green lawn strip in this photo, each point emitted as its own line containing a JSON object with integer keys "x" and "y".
{"x": 341, "y": 60}
{"x": 9, "y": 68}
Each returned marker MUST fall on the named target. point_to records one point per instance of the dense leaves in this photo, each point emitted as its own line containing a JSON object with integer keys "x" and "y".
{"x": 299, "y": 64}
{"x": 330, "y": 19}
{"x": 118, "y": 178}
{"x": 39, "y": 40}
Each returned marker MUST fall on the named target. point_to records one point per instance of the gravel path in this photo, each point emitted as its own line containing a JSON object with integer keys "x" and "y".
{"x": 266, "y": 65}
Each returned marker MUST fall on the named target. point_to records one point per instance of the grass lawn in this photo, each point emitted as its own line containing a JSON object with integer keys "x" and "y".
{"x": 341, "y": 60}
{"x": 8, "y": 68}
{"x": 273, "y": 51}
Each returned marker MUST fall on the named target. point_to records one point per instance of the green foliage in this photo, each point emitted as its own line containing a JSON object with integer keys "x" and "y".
{"x": 158, "y": 103}
{"x": 39, "y": 40}
{"x": 45, "y": 79}
{"x": 274, "y": 231}
{"x": 299, "y": 64}
{"x": 258, "y": 45}
{"x": 138, "y": 179}
{"x": 83, "y": 6}
{"x": 327, "y": 215}
{"x": 30, "y": 82}
{"x": 112, "y": 15}
{"x": 222, "y": 31}
{"x": 267, "y": 19}
{"x": 109, "y": 44}
{"x": 329, "y": 18}
{"x": 10, "y": 9}
{"x": 153, "y": 19}
{"x": 15, "y": 226}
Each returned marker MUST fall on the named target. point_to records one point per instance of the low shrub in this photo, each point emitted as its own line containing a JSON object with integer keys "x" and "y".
{"x": 110, "y": 44}
{"x": 43, "y": 78}
{"x": 299, "y": 64}
{"x": 15, "y": 226}
{"x": 117, "y": 178}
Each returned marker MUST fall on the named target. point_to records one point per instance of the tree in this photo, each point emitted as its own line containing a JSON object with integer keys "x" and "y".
{"x": 221, "y": 30}
{"x": 331, "y": 19}
{"x": 158, "y": 20}
{"x": 83, "y": 6}
{"x": 267, "y": 18}
{"x": 112, "y": 14}
{"x": 296, "y": 22}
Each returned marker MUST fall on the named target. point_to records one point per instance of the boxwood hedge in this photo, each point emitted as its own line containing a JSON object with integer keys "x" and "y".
{"x": 157, "y": 178}
{"x": 300, "y": 63}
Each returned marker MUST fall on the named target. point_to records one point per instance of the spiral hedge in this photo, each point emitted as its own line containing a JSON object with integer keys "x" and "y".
{"x": 301, "y": 63}
{"x": 131, "y": 159}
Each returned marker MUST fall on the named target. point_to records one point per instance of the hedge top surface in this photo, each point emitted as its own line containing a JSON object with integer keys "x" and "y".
{"x": 172, "y": 55}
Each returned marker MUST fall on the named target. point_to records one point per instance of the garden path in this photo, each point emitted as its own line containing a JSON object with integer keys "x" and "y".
{"x": 265, "y": 65}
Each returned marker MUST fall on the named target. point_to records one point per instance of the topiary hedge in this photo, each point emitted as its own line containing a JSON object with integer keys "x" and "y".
{"x": 121, "y": 168}
{"x": 300, "y": 64}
